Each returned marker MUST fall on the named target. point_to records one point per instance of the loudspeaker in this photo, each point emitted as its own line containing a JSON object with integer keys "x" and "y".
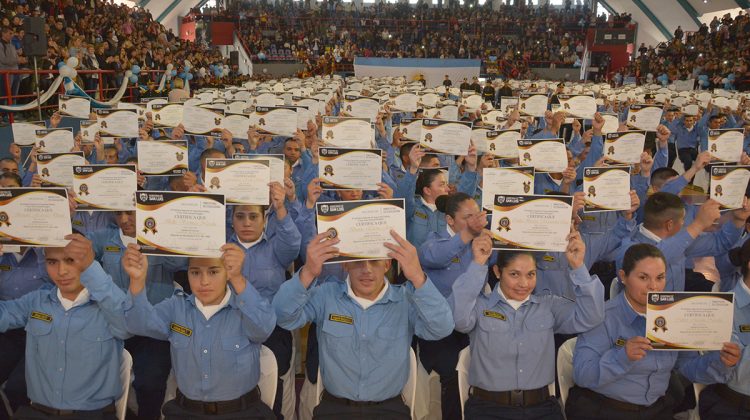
{"x": 35, "y": 38}
{"x": 234, "y": 58}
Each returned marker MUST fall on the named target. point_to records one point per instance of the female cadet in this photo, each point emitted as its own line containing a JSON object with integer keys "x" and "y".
{"x": 215, "y": 335}
{"x": 511, "y": 330}
{"x": 732, "y": 401}
{"x": 616, "y": 360}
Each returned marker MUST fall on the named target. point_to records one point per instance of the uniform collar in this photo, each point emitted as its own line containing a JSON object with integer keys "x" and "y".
{"x": 742, "y": 294}
{"x": 248, "y": 245}
{"x": 365, "y": 303}
{"x": 628, "y": 313}
{"x": 648, "y": 234}
{"x": 210, "y": 311}
{"x": 496, "y": 296}
{"x": 390, "y": 294}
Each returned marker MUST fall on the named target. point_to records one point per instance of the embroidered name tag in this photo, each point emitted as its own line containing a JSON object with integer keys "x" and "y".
{"x": 745, "y": 328}
{"x": 77, "y": 222}
{"x": 620, "y": 342}
{"x": 4, "y": 267}
{"x": 41, "y": 316}
{"x": 179, "y": 329}
{"x": 493, "y": 314}
{"x": 341, "y": 318}
{"x": 589, "y": 218}
{"x": 420, "y": 215}
{"x": 548, "y": 258}
{"x": 112, "y": 248}
{"x": 456, "y": 260}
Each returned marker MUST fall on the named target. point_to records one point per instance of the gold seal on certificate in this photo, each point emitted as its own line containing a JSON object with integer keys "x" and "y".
{"x": 167, "y": 115}
{"x": 361, "y": 106}
{"x": 493, "y": 117}
{"x": 532, "y": 104}
{"x": 606, "y": 188}
{"x": 118, "y": 122}
{"x": 445, "y": 112}
{"x": 242, "y": 181}
{"x": 237, "y": 124}
{"x": 276, "y": 163}
{"x": 411, "y": 129}
{"x": 139, "y": 109}
{"x": 280, "y": 120}
{"x": 24, "y": 133}
{"x": 689, "y": 320}
{"x": 34, "y": 217}
{"x": 429, "y": 100}
{"x": 404, "y": 102}
{"x": 105, "y": 187}
{"x": 56, "y": 169}
{"x": 446, "y": 137}
{"x": 88, "y": 130}
{"x": 198, "y": 120}
{"x": 75, "y": 106}
{"x": 624, "y": 147}
{"x": 353, "y": 133}
{"x": 728, "y": 185}
{"x": 362, "y": 227}
{"x": 545, "y": 155}
{"x": 726, "y": 145}
{"x": 644, "y": 117}
{"x": 508, "y": 103}
{"x": 532, "y": 222}
{"x": 500, "y": 143}
{"x": 55, "y": 140}
{"x": 517, "y": 180}
{"x": 579, "y": 106}
{"x": 479, "y": 136}
{"x": 611, "y": 123}
{"x": 472, "y": 102}
{"x": 180, "y": 224}
{"x": 165, "y": 158}
{"x": 350, "y": 169}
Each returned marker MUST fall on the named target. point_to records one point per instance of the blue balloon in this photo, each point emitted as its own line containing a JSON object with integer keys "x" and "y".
{"x": 136, "y": 69}
{"x": 187, "y": 68}
{"x": 60, "y": 64}
{"x": 190, "y": 76}
{"x": 133, "y": 78}
{"x": 183, "y": 75}
{"x": 174, "y": 73}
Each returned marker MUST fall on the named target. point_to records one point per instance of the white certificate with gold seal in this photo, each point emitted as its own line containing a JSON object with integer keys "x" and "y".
{"x": 500, "y": 143}
{"x": 278, "y": 120}
{"x": 276, "y": 163}
{"x": 242, "y": 181}
{"x": 34, "y": 217}
{"x": 74, "y": 106}
{"x": 362, "y": 227}
{"x": 167, "y": 115}
{"x": 88, "y": 129}
{"x": 350, "y": 169}
{"x": 411, "y": 129}
{"x": 446, "y": 137}
{"x": 199, "y": 120}
{"x": 55, "y": 140}
{"x": 545, "y": 155}
{"x": 606, "y": 188}
{"x": 105, "y": 187}
{"x": 180, "y": 224}
{"x": 56, "y": 169}
{"x": 531, "y": 222}
{"x": 518, "y": 180}
{"x": 624, "y": 146}
{"x": 728, "y": 185}
{"x": 24, "y": 133}
{"x": 644, "y": 117}
{"x": 694, "y": 321}
{"x": 532, "y": 104}
{"x": 163, "y": 157}
{"x": 350, "y": 132}
{"x": 361, "y": 106}
{"x": 579, "y": 106}
{"x": 118, "y": 122}
{"x": 725, "y": 145}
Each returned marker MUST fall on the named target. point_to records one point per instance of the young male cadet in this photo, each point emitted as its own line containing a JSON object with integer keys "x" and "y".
{"x": 365, "y": 327}
{"x": 75, "y": 334}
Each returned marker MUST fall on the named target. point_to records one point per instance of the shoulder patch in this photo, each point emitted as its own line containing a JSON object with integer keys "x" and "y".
{"x": 493, "y": 314}
{"x": 620, "y": 342}
{"x": 420, "y": 215}
{"x": 341, "y": 318}
{"x": 112, "y": 248}
{"x": 745, "y": 328}
{"x": 5, "y": 267}
{"x": 179, "y": 329}
{"x": 41, "y": 316}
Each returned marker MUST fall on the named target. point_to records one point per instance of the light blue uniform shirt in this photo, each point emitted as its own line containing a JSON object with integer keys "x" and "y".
{"x": 740, "y": 379}
{"x": 18, "y": 278}
{"x": 72, "y": 357}
{"x": 515, "y": 349}
{"x": 364, "y": 353}
{"x": 213, "y": 360}
{"x": 601, "y": 364}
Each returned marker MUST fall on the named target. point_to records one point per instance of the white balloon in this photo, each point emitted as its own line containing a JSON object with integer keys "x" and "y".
{"x": 72, "y": 62}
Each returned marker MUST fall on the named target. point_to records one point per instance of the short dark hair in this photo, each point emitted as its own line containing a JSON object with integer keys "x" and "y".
{"x": 425, "y": 178}
{"x": 12, "y": 176}
{"x": 449, "y": 204}
{"x": 660, "y": 176}
{"x": 660, "y": 207}
{"x": 638, "y": 252}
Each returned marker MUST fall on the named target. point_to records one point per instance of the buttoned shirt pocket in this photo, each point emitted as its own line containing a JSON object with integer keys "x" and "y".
{"x": 338, "y": 335}
{"x": 394, "y": 340}
{"x": 493, "y": 331}
{"x": 178, "y": 341}
{"x": 539, "y": 329}
{"x": 237, "y": 347}
{"x": 96, "y": 339}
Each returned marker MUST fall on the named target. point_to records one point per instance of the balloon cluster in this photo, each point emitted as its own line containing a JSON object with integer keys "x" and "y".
{"x": 663, "y": 79}
{"x": 728, "y": 81}
{"x": 703, "y": 81}
{"x": 68, "y": 68}
{"x": 219, "y": 70}
{"x": 135, "y": 71}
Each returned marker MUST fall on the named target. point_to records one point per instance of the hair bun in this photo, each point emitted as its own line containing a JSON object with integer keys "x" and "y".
{"x": 441, "y": 202}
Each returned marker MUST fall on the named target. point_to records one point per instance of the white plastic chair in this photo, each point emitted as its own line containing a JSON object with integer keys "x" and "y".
{"x": 288, "y": 383}
{"x": 4, "y": 398}
{"x": 269, "y": 376}
{"x": 126, "y": 373}
{"x": 614, "y": 288}
{"x": 565, "y": 369}
{"x": 695, "y": 413}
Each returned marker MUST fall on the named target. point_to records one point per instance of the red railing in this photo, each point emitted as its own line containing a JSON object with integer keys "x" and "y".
{"x": 103, "y": 93}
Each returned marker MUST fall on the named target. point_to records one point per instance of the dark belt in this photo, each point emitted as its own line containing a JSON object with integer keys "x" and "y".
{"x": 218, "y": 407}
{"x": 345, "y": 401}
{"x": 57, "y": 412}
{"x": 516, "y": 398}
{"x": 620, "y": 405}
{"x": 733, "y": 397}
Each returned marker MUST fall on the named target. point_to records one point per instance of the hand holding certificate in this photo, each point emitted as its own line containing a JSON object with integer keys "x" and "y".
{"x": 497, "y": 181}
{"x": 105, "y": 187}
{"x": 726, "y": 145}
{"x": 198, "y": 120}
{"x": 350, "y": 169}
{"x": 180, "y": 224}
{"x": 55, "y": 140}
{"x": 532, "y": 223}
{"x": 355, "y": 133}
{"x": 644, "y": 117}
{"x": 34, "y": 217}
{"x": 74, "y": 106}
{"x": 447, "y": 137}
{"x": 165, "y": 158}
{"x": 624, "y": 147}
{"x": 500, "y": 143}
{"x": 579, "y": 106}
{"x": 24, "y": 133}
{"x": 362, "y": 227}
{"x": 689, "y": 320}
{"x": 532, "y": 104}
{"x": 56, "y": 169}
{"x": 607, "y": 188}
{"x": 545, "y": 155}
{"x": 728, "y": 185}
{"x": 118, "y": 123}
{"x": 243, "y": 181}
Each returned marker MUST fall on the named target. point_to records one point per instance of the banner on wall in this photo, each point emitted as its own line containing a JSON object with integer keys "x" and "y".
{"x": 432, "y": 69}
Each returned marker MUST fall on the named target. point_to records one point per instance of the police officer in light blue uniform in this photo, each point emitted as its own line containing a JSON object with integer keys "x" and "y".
{"x": 215, "y": 335}
{"x": 511, "y": 329}
{"x": 151, "y": 363}
{"x": 74, "y": 342}
{"x": 365, "y": 327}
{"x": 617, "y": 373}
